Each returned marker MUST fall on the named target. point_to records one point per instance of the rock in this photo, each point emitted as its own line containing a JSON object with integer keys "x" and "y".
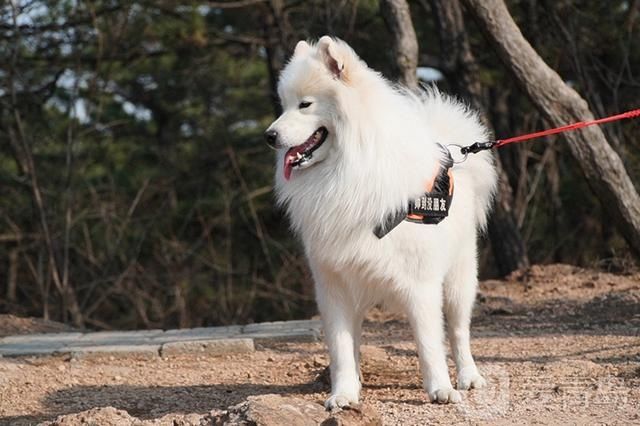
{"x": 362, "y": 415}
{"x": 104, "y": 416}
{"x": 272, "y": 410}
{"x": 179, "y": 420}
{"x": 262, "y": 410}
{"x": 110, "y": 416}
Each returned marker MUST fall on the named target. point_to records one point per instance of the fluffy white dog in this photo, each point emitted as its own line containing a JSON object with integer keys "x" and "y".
{"x": 352, "y": 151}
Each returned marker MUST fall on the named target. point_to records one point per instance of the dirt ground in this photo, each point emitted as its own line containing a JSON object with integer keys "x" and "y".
{"x": 558, "y": 344}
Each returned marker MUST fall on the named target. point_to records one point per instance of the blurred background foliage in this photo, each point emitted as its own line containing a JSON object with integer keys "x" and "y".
{"x": 136, "y": 187}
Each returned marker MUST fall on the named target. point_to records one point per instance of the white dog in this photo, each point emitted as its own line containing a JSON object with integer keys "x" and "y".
{"x": 353, "y": 152}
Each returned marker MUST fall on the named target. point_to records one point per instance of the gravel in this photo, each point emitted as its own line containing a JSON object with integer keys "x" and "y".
{"x": 558, "y": 344}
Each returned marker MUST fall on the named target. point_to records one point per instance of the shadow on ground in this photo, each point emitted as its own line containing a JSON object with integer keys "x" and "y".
{"x": 151, "y": 402}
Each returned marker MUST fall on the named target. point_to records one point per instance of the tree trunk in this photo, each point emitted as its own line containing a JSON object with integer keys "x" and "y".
{"x": 278, "y": 41}
{"x": 560, "y": 105}
{"x": 397, "y": 16}
{"x": 509, "y": 249}
{"x": 455, "y": 50}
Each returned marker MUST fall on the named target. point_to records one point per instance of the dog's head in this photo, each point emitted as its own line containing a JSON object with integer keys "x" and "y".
{"x": 310, "y": 88}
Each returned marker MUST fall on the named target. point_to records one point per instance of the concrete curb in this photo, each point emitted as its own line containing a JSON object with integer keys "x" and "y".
{"x": 209, "y": 347}
{"x": 207, "y": 340}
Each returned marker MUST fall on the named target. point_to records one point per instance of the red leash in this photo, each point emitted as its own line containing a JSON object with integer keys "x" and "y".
{"x": 480, "y": 146}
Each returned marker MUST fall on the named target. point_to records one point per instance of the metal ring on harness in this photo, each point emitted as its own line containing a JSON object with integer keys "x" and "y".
{"x": 460, "y": 148}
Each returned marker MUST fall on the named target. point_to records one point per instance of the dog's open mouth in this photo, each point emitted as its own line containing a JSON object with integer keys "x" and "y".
{"x": 300, "y": 156}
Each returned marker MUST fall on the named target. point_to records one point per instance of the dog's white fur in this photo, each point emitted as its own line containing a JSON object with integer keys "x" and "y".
{"x": 380, "y": 152}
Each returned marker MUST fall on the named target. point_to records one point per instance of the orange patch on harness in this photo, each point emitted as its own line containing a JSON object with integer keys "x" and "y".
{"x": 429, "y": 188}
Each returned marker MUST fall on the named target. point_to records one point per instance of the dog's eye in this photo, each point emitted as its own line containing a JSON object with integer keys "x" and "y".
{"x": 303, "y": 105}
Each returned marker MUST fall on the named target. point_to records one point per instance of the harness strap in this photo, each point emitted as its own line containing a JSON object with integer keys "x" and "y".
{"x": 432, "y": 206}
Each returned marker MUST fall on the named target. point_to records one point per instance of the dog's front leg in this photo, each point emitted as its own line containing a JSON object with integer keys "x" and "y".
{"x": 460, "y": 293}
{"x": 340, "y": 321}
{"x": 424, "y": 308}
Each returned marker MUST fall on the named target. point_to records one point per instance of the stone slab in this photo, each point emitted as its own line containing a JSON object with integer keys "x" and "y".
{"x": 211, "y": 340}
{"x": 41, "y": 337}
{"x": 120, "y": 335}
{"x": 280, "y": 331}
{"x": 290, "y": 336}
{"x": 201, "y": 333}
{"x": 112, "y": 350}
{"x": 277, "y": 326}
{"x": 26, "y": 349}
{"x": 209, "y": 347}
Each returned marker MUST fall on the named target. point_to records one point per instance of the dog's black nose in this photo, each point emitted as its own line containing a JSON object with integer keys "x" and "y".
{"x": 272, "y": 138}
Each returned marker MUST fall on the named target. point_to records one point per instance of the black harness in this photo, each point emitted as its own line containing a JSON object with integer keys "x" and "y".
{"x": 432, "y": 206}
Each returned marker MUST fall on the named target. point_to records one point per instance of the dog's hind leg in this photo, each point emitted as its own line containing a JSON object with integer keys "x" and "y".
{"x": 341, "y": 324}
{"x": 424, "y": 308}
{"x": 459, "y": 295}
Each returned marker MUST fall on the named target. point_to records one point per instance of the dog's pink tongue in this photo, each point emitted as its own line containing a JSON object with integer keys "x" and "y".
{"x": 287, "y": 170}
{"x": 288, "y": 163}
{"x": 291, "y": 156}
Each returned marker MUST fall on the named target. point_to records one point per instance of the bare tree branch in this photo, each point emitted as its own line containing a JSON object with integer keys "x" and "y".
{"x": 560, "y": 105}
{"x": 19, "y": 139}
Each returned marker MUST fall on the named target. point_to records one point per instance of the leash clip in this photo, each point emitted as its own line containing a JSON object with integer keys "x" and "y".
{"x": 476, "y": 147}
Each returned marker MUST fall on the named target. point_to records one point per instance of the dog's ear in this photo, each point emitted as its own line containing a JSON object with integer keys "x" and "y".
{"x": 333, "y": 56}
{"x": 301, "y": 48}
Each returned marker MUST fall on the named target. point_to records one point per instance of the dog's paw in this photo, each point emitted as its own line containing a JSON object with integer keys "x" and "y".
{"x": 339, "y": 401}
{"x": 471, "y": 381}
{"x": 445, "y": 396}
